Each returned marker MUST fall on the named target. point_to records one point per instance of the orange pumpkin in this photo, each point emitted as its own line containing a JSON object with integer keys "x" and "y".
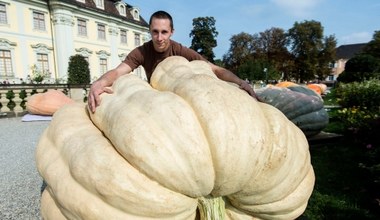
{"x": 286, "y": 84}
{"x": 315, "y": 87}
{"x": 323, "y": 87}
{"x": 47, "y": 103}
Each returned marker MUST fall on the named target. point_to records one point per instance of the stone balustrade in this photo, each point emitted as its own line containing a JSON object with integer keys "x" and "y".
{"x": 13, "y": 97}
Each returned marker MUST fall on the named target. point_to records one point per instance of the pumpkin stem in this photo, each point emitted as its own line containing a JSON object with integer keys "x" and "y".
{"x": 211, "y": 208}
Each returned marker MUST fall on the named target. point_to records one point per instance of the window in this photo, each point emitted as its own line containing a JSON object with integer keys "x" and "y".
{"x": 103, "y": 65}
{"x": 137, "y": 40}
{"x": 101, "y": 31}
{"x": 123, "y": 36}
{"x": 42, "y": 62}
{"x": 82, "y": 27}
{"x": 3, "y": 14}
{"x": 5, "y": 63}
{"x": 39, "y": 21}
{"x": 122, "y": 10}
{"x": 100, "y": 4}
{"x": 136, "y": 14}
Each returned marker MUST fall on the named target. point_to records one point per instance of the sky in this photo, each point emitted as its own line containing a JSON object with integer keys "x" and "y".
{"x": 350, "y": 21}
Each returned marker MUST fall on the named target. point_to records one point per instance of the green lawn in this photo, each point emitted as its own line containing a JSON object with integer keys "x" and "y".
{"x": 347, "y": 176}
{"x": 344, "y": 188}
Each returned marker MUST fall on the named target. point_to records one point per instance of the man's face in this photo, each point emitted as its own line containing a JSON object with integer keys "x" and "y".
{"x": 161, "y": 32}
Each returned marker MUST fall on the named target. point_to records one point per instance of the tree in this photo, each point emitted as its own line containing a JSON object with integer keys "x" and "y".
{"x": 326, "y": 57}
{"x": 273, "y": 44}
{"x": 78, "y": 70}
{"x": 241, "y": 50}
{"x": 257, "y": 69}
{"x": 308, "y": 48}
{"x": 273, "y": 49}
{"x": 373, "y": 47}
{"x": 204, "y": 37}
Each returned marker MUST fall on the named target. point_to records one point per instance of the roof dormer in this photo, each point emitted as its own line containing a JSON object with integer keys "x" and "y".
{"x": 121, "y": 8}
{"x": 99, "y": 4}
{"x": 135, "y": 11}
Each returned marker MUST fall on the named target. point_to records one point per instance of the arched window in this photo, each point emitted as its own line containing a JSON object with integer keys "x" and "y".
{"x": 122, "y": 9}
{"x": 135, "y": 13}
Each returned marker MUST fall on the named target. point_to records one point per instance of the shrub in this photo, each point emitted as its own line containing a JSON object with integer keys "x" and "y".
{"x": 360, "y": 94}
{"x": 78, "y": 70}
{"x": 361, "y": 109}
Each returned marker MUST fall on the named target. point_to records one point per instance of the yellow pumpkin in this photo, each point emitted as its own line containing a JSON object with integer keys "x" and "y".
{"x": 159, "y": 151}
{"x": 47, "y": 103}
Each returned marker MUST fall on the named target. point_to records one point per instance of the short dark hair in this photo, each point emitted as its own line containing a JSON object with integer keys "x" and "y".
{"x": 162, "y": 15}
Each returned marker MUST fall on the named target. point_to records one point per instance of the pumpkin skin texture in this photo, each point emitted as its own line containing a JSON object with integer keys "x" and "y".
{"x": 303, "y": 107}
{"x": 89, "y": 179}
{"x": 47, "y": 103}
{"x": 149, "y": 152}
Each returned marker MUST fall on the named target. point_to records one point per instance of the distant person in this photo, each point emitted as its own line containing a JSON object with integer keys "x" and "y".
{"x": 151, "y": 53}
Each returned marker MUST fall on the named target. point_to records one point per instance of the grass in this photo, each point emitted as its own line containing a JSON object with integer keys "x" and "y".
{"x": 347, "y": 176}
{"x": 344, "y": 188}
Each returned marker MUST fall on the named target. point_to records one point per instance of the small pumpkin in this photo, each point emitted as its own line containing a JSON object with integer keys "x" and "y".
{"x": 315, "y": 87}
{"x": 47, "y": 103}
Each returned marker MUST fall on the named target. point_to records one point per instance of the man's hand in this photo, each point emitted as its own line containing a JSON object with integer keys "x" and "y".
{"x": 93, "y": 97}
{"x": 102, "y": 84}
{"x": 245, "y": 86}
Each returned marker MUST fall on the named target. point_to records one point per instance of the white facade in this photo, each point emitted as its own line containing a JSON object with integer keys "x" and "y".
{"x": 45, "y": 33}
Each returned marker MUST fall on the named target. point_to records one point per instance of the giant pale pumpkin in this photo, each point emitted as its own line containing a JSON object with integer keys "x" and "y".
{"x": 160, "y": 151}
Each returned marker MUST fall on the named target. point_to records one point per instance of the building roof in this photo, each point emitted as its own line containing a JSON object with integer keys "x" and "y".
{"x": 348, "y": 51}
{"x": 109, "y": 8}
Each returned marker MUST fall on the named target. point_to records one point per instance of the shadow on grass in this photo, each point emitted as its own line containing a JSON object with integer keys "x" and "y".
{"x": 345, "y": 188}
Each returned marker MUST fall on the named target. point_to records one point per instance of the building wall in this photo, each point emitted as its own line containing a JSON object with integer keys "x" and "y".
{"x": 60, "y": 39}
{"x": 339, "y": 67}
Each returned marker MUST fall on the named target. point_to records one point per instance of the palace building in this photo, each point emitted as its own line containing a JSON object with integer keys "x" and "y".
{"x": 44, "y": 34}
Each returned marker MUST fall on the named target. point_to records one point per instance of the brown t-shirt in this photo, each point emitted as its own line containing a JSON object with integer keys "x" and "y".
{"x": 149, "y": 58}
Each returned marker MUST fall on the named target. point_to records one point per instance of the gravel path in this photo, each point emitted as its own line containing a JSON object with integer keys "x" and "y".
{"x": 20, "y": 183}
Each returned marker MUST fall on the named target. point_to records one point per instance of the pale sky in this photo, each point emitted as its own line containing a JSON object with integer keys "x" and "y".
{"x": 350, "y": 21}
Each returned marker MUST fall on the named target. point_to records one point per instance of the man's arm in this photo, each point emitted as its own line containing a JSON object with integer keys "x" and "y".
{"x": 101, "y": 85}
{"x": 228, "y": 76}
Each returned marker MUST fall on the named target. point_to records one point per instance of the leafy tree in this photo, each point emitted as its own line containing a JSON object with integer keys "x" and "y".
{"x": 273, "y": 49}
{"x": 273, "y": 44}
{"x": 326, "y": 57}
{"x": 373, "y": 47}
{"x": 241, "y": 50}
{"x": 249, "y": 55}
{"x": 219, "y": 62}
{"x": 204, "y": 37}
{"x": 308, "y": 48}
{"x": 78, "y": 70}
{"x": 251, "y": 70}
{"x": 257, "y": 69}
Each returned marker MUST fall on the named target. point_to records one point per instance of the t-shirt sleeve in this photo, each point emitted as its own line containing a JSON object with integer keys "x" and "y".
{"x": 189, "y": 54}
{"x": 135, "y": 58}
